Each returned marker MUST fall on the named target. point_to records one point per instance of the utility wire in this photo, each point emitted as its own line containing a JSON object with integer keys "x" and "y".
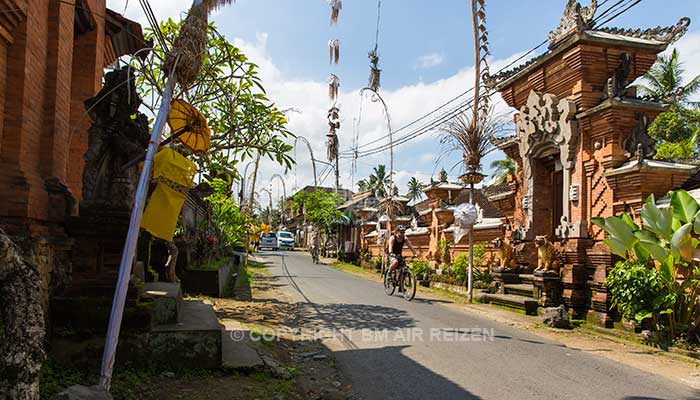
{"x": 420, "y": 131}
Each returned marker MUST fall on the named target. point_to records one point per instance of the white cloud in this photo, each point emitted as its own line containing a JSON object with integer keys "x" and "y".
{"x": 429, "y": 60}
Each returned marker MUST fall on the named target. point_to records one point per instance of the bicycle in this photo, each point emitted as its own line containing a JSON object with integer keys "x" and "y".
{"x": 406, "y": 280}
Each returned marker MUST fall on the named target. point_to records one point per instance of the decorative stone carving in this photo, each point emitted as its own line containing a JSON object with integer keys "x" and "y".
{"x": 574, "y": 192}
{"x": 575, "y": 19}
{"x": 443, "y": 176}
{"x": 545, "y": 123}
{"x": 617, "y": 84}
{"x": 506, "y": 261}
{"x": 639, "y": 142}
{"x": 548, "y": 262}
{"x": 666, "y": 35}
{"x": 119, "y": 134}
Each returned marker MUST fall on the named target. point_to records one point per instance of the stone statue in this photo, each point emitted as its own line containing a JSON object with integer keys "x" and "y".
{"x": 548, "y": 262}
{"x": 617, "y": 84}
{"x": 506, "y": 261}
{"x": 639, "y": 140}
{"x": 119, "y": 134}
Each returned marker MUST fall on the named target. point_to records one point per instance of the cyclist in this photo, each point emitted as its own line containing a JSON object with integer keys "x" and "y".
{"x": 314, "y": 240}
{"x": 396, "y": 243}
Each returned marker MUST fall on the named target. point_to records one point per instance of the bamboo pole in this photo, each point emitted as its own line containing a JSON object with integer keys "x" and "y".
{"x": 115, "y": 318}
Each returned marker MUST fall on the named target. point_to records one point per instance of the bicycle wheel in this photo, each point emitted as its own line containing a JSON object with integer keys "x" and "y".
{"x": 389, "y": 287}
{"x": 409, "y": 285}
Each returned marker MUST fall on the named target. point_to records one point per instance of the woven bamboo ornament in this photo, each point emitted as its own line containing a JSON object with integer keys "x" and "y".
{"x": 375, "y": 72}
{"x": 190, "y": 45}
{"x": 333, "y": 86}
{"x": 334, "y": 50}
{"x": 333, "y": 125}
{"x": 336, "y": 6}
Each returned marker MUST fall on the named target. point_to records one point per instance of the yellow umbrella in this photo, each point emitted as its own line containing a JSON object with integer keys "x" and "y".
{"x": 189, "y": 126}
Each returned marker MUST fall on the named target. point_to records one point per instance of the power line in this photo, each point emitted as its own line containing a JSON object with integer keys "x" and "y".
{"x": 425, "y": 129}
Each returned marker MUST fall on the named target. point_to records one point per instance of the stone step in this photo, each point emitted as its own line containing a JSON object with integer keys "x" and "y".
{"x": 195, "y": 341}
{"x": 527, "y": 278}
{"x": 520, "y": 289}
{"x": 526, "y": 304}
{"x": 167, "y": 299}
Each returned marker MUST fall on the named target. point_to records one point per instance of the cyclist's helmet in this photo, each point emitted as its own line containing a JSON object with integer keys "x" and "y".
{"x": 401, "y": 228}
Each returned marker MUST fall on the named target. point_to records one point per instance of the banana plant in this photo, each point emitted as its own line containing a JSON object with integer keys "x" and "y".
{"x": 669, "y": 235}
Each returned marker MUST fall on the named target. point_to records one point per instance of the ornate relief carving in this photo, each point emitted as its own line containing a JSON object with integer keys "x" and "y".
{"x": 667, "y": 34}
{"x": 544, "y": 123}
{"x": 575, "y": 19}
{"x": 617, "y": 84}
{"x": 639, "y": 142}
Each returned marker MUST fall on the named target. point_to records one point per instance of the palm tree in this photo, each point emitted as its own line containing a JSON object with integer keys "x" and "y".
{"x": 665, "y": 81}
{"x": 363, "y": 185}
{"x": 503, "y": 168}
{"x": 380, "y": 181}
{"x": 415, "y": 189}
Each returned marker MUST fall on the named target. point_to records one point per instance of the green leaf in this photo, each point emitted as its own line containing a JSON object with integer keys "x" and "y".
{"x": 642, "y": 315}
{"x": 681, "y": 243}
{"x": 685, "y": 208}
{"x": 617, "y": 247}
{"x": 651, "y": 244}
{"x": 622, "y": 232}
{"x": 697, "y": 224}
{"x": 657, "y": 220}
{"x": 630, "y": 222}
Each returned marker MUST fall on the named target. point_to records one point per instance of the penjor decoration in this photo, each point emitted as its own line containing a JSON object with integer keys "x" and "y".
{"x": 334, "y": 51}
{"x": 334, "y": 125}
{"x": 375, "y": 72}
{"x": 333, "y": 86}
{"x": 336, "y": 6}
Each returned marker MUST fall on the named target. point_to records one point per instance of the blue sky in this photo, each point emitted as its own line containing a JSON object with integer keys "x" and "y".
{"x": 426, "y": 56}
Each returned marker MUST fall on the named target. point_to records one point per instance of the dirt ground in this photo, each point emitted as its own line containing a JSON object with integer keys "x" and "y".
{"x": 305, "y": 369}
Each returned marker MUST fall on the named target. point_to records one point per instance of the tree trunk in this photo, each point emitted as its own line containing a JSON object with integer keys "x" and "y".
{"x": 22, "y": 327}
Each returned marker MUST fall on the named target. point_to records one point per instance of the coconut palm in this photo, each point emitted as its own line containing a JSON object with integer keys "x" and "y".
{"x": 664, "y": 81}
{"x": 503, "y": 168}
{"x": 415, "y": 189}
{"x": 380, "y": 181}
{"x": 363, "y": 185}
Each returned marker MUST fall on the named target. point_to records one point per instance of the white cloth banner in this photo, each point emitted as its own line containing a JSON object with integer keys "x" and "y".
{"x": 466, "y": 215}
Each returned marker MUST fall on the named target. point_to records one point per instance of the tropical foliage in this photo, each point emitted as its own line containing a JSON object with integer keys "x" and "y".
{"x": 664, "y": 81}
{"x": 502, "y": 169}
{"x": 379, "y": 182}
{"x": 229, "y": 92}
{"x": 227, "y": 219}
{"x": 443, "y": 252}
{"x": 321, "y": 210}
{"x": 669, "y": 243}
{"x": 415, "y": 189}
{"x": 678, "y": 129}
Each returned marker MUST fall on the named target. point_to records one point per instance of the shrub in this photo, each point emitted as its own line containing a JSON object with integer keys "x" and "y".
{"x": 377, "y": 262}
{"x": 669, "y": 243}
{"x": 420, "y": 267}
{"x": 443, "y": 251}
{"x": 633, "y": 288}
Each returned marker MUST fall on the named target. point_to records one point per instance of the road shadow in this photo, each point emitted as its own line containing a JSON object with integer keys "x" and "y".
{"x": 393, "y": 375}
{"x": 351, "y": 316}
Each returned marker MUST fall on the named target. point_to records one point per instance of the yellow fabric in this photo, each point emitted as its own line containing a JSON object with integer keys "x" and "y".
{"x": 190, "y": 126}
{"x": 171, "y": 165}
{"x": 162, "y": 212}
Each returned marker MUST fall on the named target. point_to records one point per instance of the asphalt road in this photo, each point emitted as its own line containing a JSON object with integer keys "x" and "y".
{"x": 393, "y": 349}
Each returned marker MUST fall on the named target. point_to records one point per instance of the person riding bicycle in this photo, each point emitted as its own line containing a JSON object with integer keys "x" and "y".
{"x": 396, "y": 242}
{"x": 314, "y": 240}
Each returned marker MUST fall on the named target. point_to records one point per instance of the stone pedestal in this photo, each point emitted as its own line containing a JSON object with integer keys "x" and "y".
{"x": 548, "y": 290}
{"x": 500, "y": 279}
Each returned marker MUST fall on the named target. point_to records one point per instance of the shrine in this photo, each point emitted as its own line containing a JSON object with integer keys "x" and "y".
{"x": 582, "y": 150}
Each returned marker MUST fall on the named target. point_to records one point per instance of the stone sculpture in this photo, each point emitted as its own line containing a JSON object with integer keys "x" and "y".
{"x": 506, "y": 260}
{"x": 119, "y": 133}
{"x": 548, "y": 262}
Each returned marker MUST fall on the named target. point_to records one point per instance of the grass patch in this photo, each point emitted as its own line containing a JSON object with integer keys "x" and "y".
{"x": 127, "y": 383}
{"x": 211, "y": 266}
